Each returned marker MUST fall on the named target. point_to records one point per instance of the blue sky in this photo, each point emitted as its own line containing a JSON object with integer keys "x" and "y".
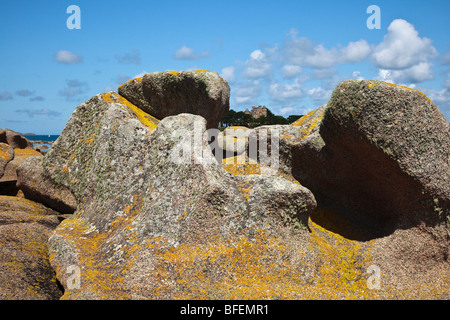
{"x": 287, "y": 55}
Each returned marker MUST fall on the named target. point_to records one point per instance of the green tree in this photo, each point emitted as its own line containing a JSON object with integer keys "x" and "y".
{"x": 293, "y": 118}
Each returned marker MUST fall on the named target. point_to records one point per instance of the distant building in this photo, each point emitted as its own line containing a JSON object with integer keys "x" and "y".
{"x": 257, "y": 112}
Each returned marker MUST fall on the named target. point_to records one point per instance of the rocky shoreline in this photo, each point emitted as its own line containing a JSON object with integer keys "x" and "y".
{"x": 141, "y": 197}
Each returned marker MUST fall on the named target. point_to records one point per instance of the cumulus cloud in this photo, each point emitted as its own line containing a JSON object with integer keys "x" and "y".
{"x": 41, "y": 112}
{"x": 257, "y": 66}
{"x": 129, "y": 58}
{"x": 247, "y": 92}
{"x": 5, "y": 95}
{"x": 402, "y": 47}
{"x": 303, "y": 52}
{"x": 289, "y": 71}
{"x": 285, "y": 110}
{"x": 228, "y": 74}
{"x": 286, "y": 92}
{"x": 356, "y": 75}
{"x": 67, "y": 57}
{"x": 417, "y": 73}
{"x": 319, "y": 94}
{"x": 384, "y": 75}
{"x": 186, "y": 53}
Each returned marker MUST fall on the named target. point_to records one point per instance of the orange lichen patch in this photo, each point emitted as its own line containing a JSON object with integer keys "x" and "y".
{"x": 90, "y": 139}
{"x": 200, "y": 71}
{"x": 94, "y": 272}
{"x": 148, "y": 120}
{"x": 302, "y": 120}
{"x": 343, "y": 265}
{"x": 27, "y": 153}
{"x": 5, "y": 153}
{"x": 238, "y": 166}
{"x": 242, "y": 169}
{"x": 260, "y": 267}
{"x": 244, "y": 189}
{"x": 173, "y": 73}
{"x": 135, "y": 80}
{"x": 311, "y": 119}
{"x": 232, "y": 268}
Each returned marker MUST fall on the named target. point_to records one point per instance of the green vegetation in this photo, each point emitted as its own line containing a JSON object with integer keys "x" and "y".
{"x": 240, "y": 118}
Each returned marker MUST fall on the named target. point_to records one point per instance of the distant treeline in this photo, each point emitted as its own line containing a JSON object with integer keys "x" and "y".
{"x": 240, "y": 118}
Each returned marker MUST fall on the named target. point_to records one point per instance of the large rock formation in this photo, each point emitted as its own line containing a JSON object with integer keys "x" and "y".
{"x": 159, "y": 218}
{"x": 169, "y": 93}
{"x": 25, "y": 271}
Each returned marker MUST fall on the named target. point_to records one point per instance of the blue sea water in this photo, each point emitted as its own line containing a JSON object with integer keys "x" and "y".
{"x": 48, "y": 138}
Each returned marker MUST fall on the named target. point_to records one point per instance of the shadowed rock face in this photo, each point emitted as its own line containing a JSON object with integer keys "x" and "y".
{"x": 384, "y": 156}
{"x": 143, "y": 195}
{"x": 169, "y": 93}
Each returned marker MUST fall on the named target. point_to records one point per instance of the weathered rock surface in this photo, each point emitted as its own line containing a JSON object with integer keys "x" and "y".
{"x": 382, "y": 151}
{"x": 37, "y": 186}
{"x": 14, "y": 139}
{"x": 169, "y": 93}
{"x": 6, "y": 155}
{"x": 158, "y": 217}
{"x": 25, "y": 271}
{"x": 8, "y": 179}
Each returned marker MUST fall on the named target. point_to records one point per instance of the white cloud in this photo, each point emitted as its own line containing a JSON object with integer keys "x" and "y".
{"x": 303, "y": 52}
{"x": 285, "y": 110}
{"x": 247, "y": 92}
{"x": 355, "y": 51}
{"x": 417, "y": 73}
{"x": 228, "y": 74}
{"x": 67, "y": 57}
{"x": 289, "y": 71}
{"x": 186, "y": 53}
{"x": 320, "y": 94}
{"x": 402, "y": 47}
{"x": 286, "y": 92}
{"x": 356, "y": 75}
{"x": 257, "y": 66}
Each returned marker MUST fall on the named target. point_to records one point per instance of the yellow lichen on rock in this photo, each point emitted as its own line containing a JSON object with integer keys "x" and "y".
{"x": 148, "y": 120}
